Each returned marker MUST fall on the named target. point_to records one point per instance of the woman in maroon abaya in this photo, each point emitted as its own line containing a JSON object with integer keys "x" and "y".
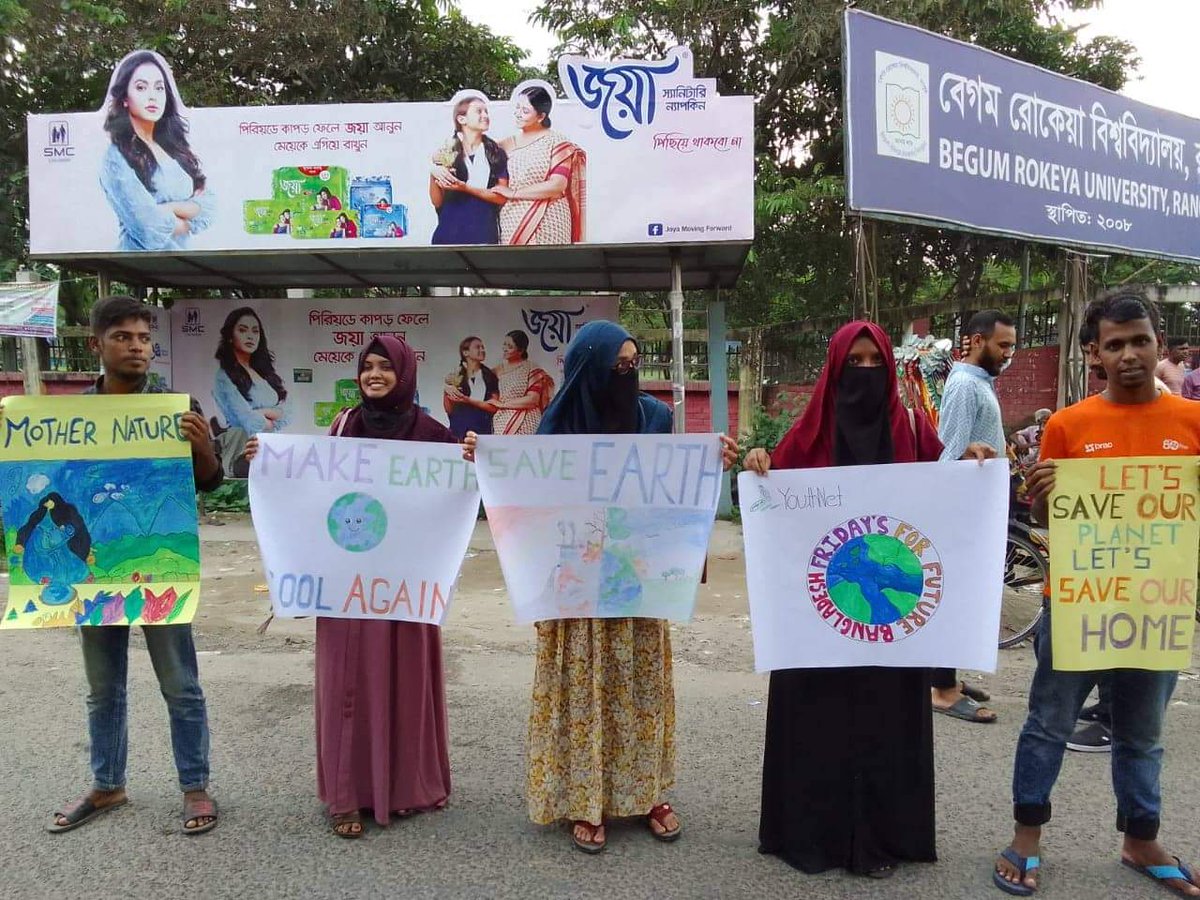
{"x": 382, "y": 739}
{"x": 848, "y": 763}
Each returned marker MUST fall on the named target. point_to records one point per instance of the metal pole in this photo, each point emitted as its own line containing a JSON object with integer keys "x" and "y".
{"x": 1022, "y": 302}
{"x": 32, "y": 364}
{"x": 678, "y": 371}
{"x": 103, "y": 285}
{"x": 718, "y": 386}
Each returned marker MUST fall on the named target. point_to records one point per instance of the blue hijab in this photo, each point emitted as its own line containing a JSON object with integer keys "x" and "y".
{"x": 586, "y": 373}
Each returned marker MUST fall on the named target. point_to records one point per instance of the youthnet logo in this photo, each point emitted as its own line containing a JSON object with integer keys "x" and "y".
{"x": 1171, "y": 444}
{"x": 901, "y": 107}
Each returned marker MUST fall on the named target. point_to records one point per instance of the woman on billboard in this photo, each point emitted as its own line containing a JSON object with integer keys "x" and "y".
{"x": 466, "y": 175}
{"x": 525, "y": 389}
{"x": 471, "y": 390}
{"x": 546, "y": 189}
{"x": 150, "y": 175}
{"x": 247, "y": 389}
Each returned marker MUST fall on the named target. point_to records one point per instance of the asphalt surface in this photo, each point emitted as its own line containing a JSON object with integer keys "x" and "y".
{"x": 272, "y": 840}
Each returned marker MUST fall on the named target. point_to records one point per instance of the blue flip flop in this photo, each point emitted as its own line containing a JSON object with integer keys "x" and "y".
{"x": 1162, "y": 874}
{"x": 1026, "y": 864}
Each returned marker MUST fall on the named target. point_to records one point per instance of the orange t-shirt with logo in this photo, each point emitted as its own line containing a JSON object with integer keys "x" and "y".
{"x": 1095, "y": 427}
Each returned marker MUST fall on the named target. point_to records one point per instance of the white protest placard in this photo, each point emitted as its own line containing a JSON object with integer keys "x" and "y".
{"x": 360, "y": 529}
{"x": 601, "y": 526}
{"x": 889, "y": 565}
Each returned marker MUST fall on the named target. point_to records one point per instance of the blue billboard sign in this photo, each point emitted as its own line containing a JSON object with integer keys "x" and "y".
{"x": 946, "y": 133}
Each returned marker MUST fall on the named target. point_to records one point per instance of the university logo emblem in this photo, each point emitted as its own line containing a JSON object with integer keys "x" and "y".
{"x": 901, "y": 107}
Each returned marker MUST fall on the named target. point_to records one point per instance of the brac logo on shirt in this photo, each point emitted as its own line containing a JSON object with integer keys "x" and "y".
{"x": 1098, "y": 446}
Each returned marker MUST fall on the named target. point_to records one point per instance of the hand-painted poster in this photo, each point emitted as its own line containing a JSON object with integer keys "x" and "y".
{"x": 487, "y": 364}
{"x": 601, "y": 526}
{"x": 99, "y": 510}
{"x": 29, "y": 310}
{"x": 357, "y": 529}
{"x": 1123, "y": 560}
{"x": 897, "y": 565}
{"x": 615, "y": 162}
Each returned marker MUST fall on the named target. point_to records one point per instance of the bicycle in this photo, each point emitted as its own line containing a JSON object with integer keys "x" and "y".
{"x": 1026, "y": 569}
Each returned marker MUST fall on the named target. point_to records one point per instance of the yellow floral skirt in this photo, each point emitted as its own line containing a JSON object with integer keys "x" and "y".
{"x": 602, "y": 726}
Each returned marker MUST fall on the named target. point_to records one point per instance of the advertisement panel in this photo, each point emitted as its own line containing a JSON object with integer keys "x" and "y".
{"x": 640, "y": 152}
{"x": 947, "y": 133}
{"x": 489, "y": 365}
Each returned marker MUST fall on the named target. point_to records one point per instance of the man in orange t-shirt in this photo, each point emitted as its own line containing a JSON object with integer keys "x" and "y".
{"x": 1130, "y": 418}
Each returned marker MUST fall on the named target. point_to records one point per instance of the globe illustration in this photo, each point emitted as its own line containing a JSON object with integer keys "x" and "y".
{"x": 875, "y": 579}
{"x": 357, "y": 522}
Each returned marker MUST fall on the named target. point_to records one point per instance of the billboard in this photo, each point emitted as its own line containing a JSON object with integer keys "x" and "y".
{"x": 288, "y": 367}
{"x": 639, "y": 152}
{"x": 946, "y": 133}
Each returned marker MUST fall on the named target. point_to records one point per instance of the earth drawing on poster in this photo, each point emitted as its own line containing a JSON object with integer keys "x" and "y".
{"x": 100, "y": 542}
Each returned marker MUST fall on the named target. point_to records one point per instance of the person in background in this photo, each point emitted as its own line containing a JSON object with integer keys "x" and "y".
{"x": 122, "y": 339}
{"x": 525, "y": 389}
{"x": 1171, "y": 369}
{"x": 1191, "y": 384}
{"x": 1130, "y": 418}
{"x": 848, "y": 762}
{"x": 1028, "y": 440}
{"x": 970, "y": 414}
{"x": 470, "y": 391}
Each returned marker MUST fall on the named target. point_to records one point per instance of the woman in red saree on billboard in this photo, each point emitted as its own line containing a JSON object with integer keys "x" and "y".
{"x": 547, "y": 177}
{"x": 150, "y": 174}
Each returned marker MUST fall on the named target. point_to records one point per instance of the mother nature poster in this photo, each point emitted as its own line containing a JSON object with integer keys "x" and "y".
{"x": 99, "y": 511}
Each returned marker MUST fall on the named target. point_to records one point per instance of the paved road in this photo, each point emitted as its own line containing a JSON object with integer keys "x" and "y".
{"x": 272, "y": 843}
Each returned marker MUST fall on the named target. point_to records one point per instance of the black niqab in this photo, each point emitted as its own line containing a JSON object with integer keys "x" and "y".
{"x": 619, "y": 403}
{"x": 863, "y": 431}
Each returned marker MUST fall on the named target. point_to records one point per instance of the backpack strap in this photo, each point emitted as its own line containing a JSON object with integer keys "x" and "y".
{"x": 339, "y": 424}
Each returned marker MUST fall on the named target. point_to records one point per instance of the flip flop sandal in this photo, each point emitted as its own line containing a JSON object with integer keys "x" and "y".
{"x": 979, "y": 695}
{"x": 343, "y": 827}
{"x": 199, "y": 809}
{"x": 80, "y": 813}
{"x": 1162, "y": 874}
{"x": 1025, "y": 864}
{"x": 965, "y": 709}
{"x": 658, "y": 814}
{"x": 589, "y": 846}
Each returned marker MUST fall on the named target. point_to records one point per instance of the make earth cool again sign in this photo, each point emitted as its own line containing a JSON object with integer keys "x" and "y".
{"x": 1124, "y": 536}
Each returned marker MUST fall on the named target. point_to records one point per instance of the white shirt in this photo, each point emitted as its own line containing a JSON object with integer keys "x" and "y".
{"x": 479, "y": 172}
{"x": 475, "y": 387}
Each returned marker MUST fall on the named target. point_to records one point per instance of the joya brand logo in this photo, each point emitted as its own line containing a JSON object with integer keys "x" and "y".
{"x": 875, "y": 579}
{"x": 552, "y": 327}
{"x": 901, "y": 107}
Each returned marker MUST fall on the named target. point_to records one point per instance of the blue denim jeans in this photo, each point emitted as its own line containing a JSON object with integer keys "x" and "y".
{"x": 173, "y": 655}
{"x": 1139, "y": 705}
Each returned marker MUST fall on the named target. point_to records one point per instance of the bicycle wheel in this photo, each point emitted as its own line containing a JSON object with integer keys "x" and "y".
{"x": 1026, "y": 573}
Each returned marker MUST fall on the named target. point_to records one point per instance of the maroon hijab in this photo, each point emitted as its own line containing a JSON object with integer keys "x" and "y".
{"x": 394, "y": 417}
{"x": 810, "y": 442}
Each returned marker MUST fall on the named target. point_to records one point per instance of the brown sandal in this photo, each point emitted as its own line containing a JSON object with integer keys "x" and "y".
{"x": 659, "y": 814}
{"x": 590, "y": 845}
{"x": 196, "y": 809}
{"x": 348, "y": 826}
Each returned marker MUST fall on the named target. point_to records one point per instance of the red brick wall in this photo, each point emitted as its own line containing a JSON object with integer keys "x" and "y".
{"x": 56, "y": 382}
{"x": 696, "y": 404}
{"x": 1029, "y": 384}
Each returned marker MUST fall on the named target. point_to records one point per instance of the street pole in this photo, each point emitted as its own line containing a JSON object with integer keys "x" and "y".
{"x": 29, "y": 346}
{"x": 718, "y": 386}
{"x": 678, "y": 370}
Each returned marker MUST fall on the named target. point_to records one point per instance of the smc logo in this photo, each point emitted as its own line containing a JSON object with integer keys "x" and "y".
{"x": 59, "y": 139}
